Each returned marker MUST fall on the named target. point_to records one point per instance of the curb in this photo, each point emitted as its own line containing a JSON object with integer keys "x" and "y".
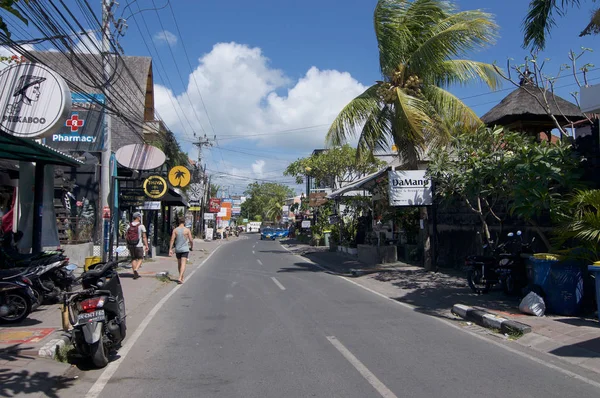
{"x": 49, "y": 349}
{"x": 490, "y": 320}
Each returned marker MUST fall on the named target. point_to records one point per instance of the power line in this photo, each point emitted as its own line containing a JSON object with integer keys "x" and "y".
{"x": 191, "y": 69}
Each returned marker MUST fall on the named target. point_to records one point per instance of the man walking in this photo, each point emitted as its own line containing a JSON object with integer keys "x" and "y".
{"x": 181, "y": 236}
{"x": 137, "y": 242}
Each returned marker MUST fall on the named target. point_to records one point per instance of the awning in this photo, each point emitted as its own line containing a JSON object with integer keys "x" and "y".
{"x": 20, "y": 149}
{"x": 364, "y": 183}
{"x": 173, "y": 198}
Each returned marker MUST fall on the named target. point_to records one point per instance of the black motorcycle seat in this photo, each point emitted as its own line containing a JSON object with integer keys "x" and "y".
{"x": 98, "y": 271}
{"x": 11, "y": 272}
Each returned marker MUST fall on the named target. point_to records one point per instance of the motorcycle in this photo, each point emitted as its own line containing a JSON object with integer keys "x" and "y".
{"x": 97, "y": 313}
{"x": 16, "y": 296}
{"x": 505, "y": 266}
{"x": 53, "y": 274}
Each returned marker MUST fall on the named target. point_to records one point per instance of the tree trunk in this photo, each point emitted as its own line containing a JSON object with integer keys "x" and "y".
{"x": 541, "y": 234}
{"x": 427, "y": 249}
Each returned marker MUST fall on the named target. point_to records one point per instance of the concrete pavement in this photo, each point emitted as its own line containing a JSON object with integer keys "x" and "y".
{"x": 575, "y": 340}
{"x": 257, "y": 321}
{"x": 23, "y": 372}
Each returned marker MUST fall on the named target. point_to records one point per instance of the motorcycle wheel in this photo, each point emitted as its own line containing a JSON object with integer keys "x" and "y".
{"x": 98, "y": 351}
{"x": 474, "y": 279}
{"x": 20, "y": 305}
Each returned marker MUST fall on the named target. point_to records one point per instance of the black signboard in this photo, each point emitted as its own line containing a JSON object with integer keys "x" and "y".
{"x": 132, "y": 197}
{"x": 83, "y": 130}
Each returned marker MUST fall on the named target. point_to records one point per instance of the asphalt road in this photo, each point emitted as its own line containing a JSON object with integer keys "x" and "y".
{"x": 256, "y": 321}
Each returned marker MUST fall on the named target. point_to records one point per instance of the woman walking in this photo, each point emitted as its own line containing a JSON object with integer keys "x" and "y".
{"x": 181, "y": 236}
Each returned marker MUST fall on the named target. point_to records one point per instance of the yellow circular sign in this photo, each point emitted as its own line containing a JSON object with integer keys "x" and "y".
{"x": 155, "y": 187}
{"x": 179, "y": 176}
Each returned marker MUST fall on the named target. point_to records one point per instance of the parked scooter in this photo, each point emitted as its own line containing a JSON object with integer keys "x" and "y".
{"x": 16, "y": 295}
{"x": 97, "y": 313}
{"x": 52, "y": 276}
{"x": 505, "y": 266}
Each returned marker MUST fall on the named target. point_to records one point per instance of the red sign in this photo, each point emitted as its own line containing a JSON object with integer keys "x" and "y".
{"x": 106, "y": 213}
{"x": 74, "y": 122}
{"x": 214, "y": 205}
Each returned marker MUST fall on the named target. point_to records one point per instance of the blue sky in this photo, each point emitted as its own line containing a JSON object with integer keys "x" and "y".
{"x": 273, "y": 74}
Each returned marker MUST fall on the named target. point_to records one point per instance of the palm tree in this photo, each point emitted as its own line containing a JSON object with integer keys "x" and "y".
{"x": 273, "y": 209}
{"x": 540, "y": 20}
{"x": 421, "y": 43}
{"x": 580, "y": 225}
{"x": 214, "y": 190}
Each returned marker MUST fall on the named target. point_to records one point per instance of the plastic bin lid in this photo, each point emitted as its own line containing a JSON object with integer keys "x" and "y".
{"x": 547, "y": 256}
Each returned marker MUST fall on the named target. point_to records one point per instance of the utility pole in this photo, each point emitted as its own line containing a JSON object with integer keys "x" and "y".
{"x": 105, "y": 171}
{"x": 203, "y": 142}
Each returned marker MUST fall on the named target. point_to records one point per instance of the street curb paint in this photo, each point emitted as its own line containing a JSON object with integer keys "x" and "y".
{"x": 50, "y": 349}
{"x": 490, "y": 320}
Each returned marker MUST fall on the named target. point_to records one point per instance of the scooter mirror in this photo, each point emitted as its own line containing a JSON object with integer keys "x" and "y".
{"x": 510, "y": 235}
{"x": 518, "y": 233}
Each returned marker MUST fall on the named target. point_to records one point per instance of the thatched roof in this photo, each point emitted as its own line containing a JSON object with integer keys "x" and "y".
{"x": 135, "y": 89}
{"x": 520, "y": 106}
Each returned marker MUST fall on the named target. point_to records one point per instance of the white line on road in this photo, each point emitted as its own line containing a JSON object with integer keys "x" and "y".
{"x": 278, "y": 283}
{"x": 260, "y": 262}
{"x": 362, "y": 369}
{"x": 112, "y": 367}
{"x": 253, "y": 252}
{"x": 452, "y": 325}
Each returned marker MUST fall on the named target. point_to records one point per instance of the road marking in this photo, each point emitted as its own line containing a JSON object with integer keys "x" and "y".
{"x": 260, "y": 262}
{"x": 278, "y": 283}
{"x": 253, "y": 252}
{"x": 452, "y": 325}
{"x": 362, "y": 369}
{"x": 112, "y": 367}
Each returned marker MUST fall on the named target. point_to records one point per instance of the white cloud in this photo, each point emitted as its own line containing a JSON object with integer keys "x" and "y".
{"x": 258, "y": 167}
{"x": 89, "y": 43}
{"x": 246, "y": 96}
{"x": 165, "y": 37}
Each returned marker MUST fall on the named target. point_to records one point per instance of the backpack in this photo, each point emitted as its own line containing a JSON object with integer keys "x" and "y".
{"x": 132, "y": 236}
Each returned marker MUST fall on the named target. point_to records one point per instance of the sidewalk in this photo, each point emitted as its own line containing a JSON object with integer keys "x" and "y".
{"x": 27, "y": 348}
{"x": 574, "y": 339}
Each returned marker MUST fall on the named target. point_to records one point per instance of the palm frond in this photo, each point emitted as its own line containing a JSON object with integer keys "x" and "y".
{"x": 401, "y": 25}
{"x": 540, "y": 20}
{"x": 376, "y": 132}
{"x": 353, "y": 114}
{"x": 594, "y": 26}
{"x": 453, "y": 37}
{"x": 410, "y": 122}
{"x": 462, "y": 71}
{"x": 451, "y": 109}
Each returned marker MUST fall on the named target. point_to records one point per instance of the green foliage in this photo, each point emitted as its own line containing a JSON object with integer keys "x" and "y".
{"x": 422, "y": 45}
{"x": 496, "y": 171}
{"x": 262, "y": 199}
{"x": 580, "y": 225}
{"x": 169, "y": 145}
{"x": 540, "y": 20}
{"x": 8, "y": 5}
{"x": 337, "y": 164}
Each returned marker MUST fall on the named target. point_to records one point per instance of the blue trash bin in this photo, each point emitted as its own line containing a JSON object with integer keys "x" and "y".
{"x": 562, "y": 283}
{"x": 595, "y": 270}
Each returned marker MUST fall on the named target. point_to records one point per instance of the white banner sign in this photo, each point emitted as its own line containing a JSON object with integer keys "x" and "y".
{"x": 209, "y": 233}
{"x": 285, "y": 209}
{"x": 152, "y": 205}
{"x": 409, "y": 188}
{"x": 209, "y": 216}
{"x": 222, "y": 212}
{"x": 306, "y": 224}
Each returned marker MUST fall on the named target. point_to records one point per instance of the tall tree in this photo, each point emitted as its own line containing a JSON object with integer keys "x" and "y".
{"x": 337, "y": 165}
{"x": 541, "y": 19}
{"x": 261, "y": 199}
{"x": 422, "y": 50}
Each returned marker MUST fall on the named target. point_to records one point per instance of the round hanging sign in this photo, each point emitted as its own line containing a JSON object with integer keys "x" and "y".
{"x": 179, "y": 176}
{"x": 35, "y": 101}
{"x": 155, "y": 187}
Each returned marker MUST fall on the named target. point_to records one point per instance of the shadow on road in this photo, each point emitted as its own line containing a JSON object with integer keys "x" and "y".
{"x": 434, "y": 293}
{"x": 25, "y": 322}
{"x": 14, "y": 353}
{"x": 587, "y": 349}
{"x": 24, "y": 382}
